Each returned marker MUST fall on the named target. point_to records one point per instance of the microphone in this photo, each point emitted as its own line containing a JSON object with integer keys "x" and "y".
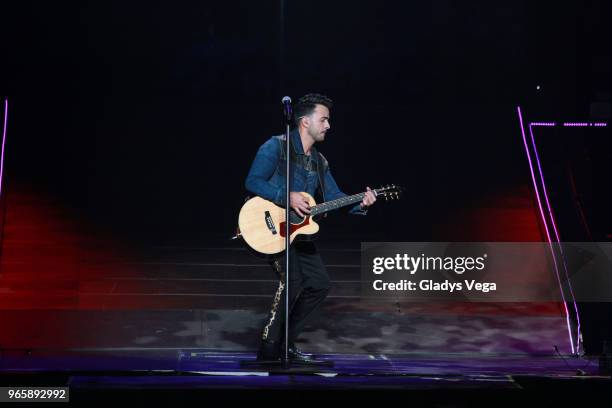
{"x": 287, "y": 108}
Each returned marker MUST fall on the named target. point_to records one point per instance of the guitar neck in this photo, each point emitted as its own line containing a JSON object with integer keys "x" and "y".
{"x": 338, "y": 203}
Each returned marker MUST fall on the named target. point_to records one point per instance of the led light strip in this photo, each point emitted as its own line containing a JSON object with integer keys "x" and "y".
{"x": 3, "y": 140}
{"x": 557, "y": 236}
{"x": 550, "y": 212}
{"x": 533, "y": 179}
{"x": 571, "y": 124}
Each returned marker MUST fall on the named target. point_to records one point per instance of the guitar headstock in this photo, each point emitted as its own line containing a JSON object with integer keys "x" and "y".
{"x": 389, "y": 192}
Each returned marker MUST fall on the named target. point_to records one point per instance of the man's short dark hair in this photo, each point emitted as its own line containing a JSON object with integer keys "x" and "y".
{"x": 307, "y": 104}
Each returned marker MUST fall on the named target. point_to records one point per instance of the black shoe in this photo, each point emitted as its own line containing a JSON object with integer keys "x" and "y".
{"x": 295, "y": 352}
{"x": 268, "y": 351}
{"x": 297, "y": 355}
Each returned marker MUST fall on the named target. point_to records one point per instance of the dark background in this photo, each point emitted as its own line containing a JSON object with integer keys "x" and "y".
{"x": 144, "y": 117}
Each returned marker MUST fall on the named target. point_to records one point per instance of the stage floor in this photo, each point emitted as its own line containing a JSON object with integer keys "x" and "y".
{"x": 197, "y": 367}
{"x": 197, "y": 375}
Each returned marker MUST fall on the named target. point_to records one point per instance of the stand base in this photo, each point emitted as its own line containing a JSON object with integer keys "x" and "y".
{"x": 286, "y": 366}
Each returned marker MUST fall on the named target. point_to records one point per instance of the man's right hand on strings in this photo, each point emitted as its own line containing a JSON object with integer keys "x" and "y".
{"x": 300, "y": 204}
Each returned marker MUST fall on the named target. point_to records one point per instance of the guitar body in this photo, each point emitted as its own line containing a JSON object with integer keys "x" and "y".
{"x": 262, "y": 225}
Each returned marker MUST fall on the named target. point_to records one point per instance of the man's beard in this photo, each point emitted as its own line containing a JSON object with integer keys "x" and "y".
{"x": 319, "y": 137}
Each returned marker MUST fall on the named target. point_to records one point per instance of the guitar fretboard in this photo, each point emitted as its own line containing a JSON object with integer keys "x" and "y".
{"x": 338, "y": 203}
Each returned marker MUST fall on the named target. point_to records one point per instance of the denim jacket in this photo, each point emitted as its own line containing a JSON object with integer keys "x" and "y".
{"x": 266, "y": 177}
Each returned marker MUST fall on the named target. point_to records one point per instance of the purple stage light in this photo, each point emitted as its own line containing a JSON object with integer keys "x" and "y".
{"x": 569, "y": 124}
{"x": 585, "y": 124}
{"x": 3, "y": 140}
{"x": 554, "y": 224}
{"x": 549, "y": 124}
{"x": 539, "y": 200}
{"x": 550, "y": 213}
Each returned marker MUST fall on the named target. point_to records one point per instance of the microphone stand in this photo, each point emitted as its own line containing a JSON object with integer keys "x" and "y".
{"x": 285, "y": 361}
{"x": 288, "y": 114}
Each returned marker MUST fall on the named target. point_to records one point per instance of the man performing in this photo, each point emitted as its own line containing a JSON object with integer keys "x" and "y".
{"x": 309, "y": 281}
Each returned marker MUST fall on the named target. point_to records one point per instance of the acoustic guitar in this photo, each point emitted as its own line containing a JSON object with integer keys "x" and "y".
{"x": 262, "y": 223}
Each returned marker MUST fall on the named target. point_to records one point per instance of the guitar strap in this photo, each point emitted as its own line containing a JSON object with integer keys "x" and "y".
{"x": 301, "y": 160}
{"x": 321, "y": 173}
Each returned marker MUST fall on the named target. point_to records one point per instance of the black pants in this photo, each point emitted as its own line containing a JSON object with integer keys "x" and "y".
{"x": 309, "y": 284}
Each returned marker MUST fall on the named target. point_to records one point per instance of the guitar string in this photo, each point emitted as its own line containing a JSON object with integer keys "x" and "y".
{"x": 330, "y": 205}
